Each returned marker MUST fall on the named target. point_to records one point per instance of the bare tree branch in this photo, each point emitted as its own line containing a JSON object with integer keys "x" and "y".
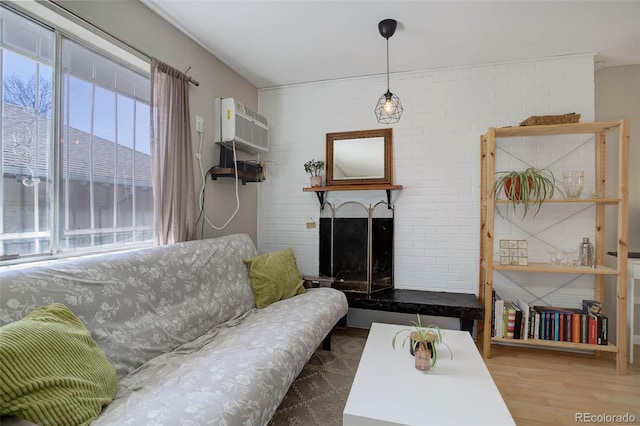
{"x": 27, "y": 94}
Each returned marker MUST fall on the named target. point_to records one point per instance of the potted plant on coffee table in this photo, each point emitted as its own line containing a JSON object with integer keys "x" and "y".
{"x": 540, "y": 186}
{"x": 424, "y": 342}
{"x": 314, "y": 168}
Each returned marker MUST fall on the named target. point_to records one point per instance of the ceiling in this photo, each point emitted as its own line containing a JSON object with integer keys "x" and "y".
{"x": 275, "y": 43}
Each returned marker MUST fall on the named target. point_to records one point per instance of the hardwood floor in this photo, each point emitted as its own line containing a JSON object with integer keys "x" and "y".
{"x": 543, "y": 387}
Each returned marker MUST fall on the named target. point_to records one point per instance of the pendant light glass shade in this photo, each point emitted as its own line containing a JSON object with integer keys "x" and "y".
{"x": 389, "y": 109}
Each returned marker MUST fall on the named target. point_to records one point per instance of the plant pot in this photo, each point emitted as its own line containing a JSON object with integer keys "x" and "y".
{"x": 516, "y": 192}
{"x": 316, "y": 181}
{"x": 413, "y": 345}
{"x": 422, "y": 358}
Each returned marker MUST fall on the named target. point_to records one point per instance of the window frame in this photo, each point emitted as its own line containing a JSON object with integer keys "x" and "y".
{"x": 64, "y": 24}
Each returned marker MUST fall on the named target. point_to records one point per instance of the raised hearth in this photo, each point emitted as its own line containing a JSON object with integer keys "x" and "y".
{"x": 435, "y": 303}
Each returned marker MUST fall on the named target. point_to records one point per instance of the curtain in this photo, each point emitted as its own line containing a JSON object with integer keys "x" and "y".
{"x": 172, "y": 164}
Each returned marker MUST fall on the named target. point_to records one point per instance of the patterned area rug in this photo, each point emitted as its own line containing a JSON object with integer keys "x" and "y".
{"x": 318, "y": 395}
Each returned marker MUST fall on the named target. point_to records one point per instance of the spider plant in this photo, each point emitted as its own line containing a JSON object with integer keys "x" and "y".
{"x": 541, "y": 187}
{"x": 430, "y": 336}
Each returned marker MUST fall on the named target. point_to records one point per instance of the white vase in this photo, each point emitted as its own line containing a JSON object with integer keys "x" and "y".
{"x": 316, "y": 181}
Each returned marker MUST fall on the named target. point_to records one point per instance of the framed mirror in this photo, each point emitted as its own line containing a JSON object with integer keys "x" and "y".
{"x": 359, "y": 158}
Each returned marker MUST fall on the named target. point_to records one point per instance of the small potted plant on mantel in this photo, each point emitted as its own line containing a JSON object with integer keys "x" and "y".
{"x": 314, "y": 168}
{"x": 540, "y": 187}
{"x": 424, "y": 344}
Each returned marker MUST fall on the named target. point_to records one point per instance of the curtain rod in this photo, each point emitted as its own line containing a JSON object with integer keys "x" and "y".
{"x": 108, "y": 34}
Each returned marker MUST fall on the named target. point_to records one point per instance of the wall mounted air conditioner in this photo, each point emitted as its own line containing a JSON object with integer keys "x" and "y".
{"x": 236, "y": 122}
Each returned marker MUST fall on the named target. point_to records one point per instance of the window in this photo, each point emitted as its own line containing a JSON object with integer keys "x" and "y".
{"x": 76, "y": 166}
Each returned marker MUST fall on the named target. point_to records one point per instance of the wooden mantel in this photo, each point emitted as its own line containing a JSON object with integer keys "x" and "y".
{"x": 321, "y": 190}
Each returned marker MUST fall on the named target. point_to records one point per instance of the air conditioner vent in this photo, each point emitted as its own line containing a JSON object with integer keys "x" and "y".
{"x": 248, "y": 129}
{"x": 255, "y": 116}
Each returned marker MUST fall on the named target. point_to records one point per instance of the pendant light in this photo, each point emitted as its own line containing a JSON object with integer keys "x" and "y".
{"x": 389, "y": 108}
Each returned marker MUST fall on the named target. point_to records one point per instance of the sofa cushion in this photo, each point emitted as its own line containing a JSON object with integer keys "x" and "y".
{"x": 52, "y": 372}
{"x": 235, "y": 374}
{"x": 274, "y": 276}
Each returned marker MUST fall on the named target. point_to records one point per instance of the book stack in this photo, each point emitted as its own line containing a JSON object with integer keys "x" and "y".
{"x": 516, "y": 319}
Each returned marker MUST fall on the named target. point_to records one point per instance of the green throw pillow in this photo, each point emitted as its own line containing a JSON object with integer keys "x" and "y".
{"x": 51, "y": 370}
{"x": 274, "y": 276}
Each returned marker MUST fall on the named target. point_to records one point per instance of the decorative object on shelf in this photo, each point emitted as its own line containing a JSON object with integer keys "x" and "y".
{"x": 541, "y": 187}
{"x": 587, "y": 257}
{"x": 537, "y": 120}
{"x": 514, "y": 252}
{"x": 389, "y": 109}
{"x": 562, "y": 257}
{"x": 573, "y": 257}
{"x": 558, "y": 257}
{"x": 591, "y": 306}
{"x": 314, "y": 167}
{"x": 424, "y": 343}
{"x": 573, "y": 181}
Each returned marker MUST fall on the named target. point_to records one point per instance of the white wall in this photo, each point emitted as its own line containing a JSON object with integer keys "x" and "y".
{"x": 618, "y": 96}
{"x": 137, "y": 25}
{"x": 436, "y": 156}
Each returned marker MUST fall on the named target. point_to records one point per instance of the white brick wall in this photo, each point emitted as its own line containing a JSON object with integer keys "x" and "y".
{"x": 436, "y": 159}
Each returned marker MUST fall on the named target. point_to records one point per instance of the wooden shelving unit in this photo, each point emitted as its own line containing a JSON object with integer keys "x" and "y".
{"x": 488, "y": 265}
{"x": 546, "y": 267}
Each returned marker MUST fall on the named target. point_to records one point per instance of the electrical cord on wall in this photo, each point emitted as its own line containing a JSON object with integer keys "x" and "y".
{"x": 204, "y": 182}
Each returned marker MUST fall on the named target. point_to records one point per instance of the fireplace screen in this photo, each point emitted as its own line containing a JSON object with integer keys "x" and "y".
{"x": 356, "y": 246}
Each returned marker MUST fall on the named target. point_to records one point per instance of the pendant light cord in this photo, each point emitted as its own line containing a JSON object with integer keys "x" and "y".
{"x": 387, "y": 64}
{"x": 388, "y": 109}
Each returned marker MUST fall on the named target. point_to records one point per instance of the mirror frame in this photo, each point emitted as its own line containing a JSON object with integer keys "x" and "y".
{"x": 361, "y": 134}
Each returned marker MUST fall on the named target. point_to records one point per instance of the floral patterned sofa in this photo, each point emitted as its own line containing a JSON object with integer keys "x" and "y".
{"x": 180, "y": 325}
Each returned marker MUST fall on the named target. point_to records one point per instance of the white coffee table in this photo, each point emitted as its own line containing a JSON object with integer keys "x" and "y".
{"x": 388, "y": 390}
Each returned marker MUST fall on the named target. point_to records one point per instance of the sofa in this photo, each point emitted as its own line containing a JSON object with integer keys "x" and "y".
{"x": 180, "y": 327}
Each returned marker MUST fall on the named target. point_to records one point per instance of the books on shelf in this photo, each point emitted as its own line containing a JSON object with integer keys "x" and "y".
{"x": 525, "y": 320}
{"x": 598, "y": 328}
{"x": 518, "y": 320}
{"x": 510, "y": 312}
{"x": 493, "y": 313}
{"x": 576, "y": 327}
{"x": 558, "y": 322}
{"x": 499, "y": 313}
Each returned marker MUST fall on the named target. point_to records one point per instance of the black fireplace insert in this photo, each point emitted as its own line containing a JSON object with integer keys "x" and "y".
{"x": 357, "y": 253}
